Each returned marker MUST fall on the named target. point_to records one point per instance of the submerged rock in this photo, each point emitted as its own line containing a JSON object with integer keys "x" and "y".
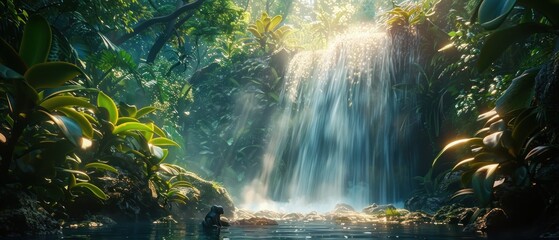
{"x": 255, "y": 221}
{"x": 94, "y": 221}
{"x": 167, "y": 219}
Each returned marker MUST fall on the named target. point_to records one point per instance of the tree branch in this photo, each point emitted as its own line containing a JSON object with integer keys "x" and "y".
{"x": 150, "y": 22}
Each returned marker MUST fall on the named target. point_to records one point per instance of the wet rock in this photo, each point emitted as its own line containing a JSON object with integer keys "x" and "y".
{"x": 343, "y": 207}
{"x": 268, "y": 214}
{"x": 423, "y": 203}
{"x": 224, "y": 221}
{"x": 417, "y": 217}
{"x": 167, "y": 219}
{"x": 202, "y": 197}
{"x": 21, "y": 214}
{"x": 314, "y": 216}
{"x": 454, "y": 214}
{"x": 94, "y": 221}
{"x": 495, "y": 220}
{"x": 255, "y": 221}
{"x": 243, "y": 214}
{"x": 375, "y": 209}
{"x": 293, "y": 217}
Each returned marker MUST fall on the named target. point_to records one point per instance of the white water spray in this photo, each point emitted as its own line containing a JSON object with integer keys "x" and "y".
{"x": 337, "y": 137}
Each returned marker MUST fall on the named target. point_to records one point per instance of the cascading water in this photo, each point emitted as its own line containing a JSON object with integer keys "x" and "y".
{"x": 338, "y": 136}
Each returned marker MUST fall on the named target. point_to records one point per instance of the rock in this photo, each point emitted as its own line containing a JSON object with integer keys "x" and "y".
{"x": 417, "y": 217}
{"x": 343, "y": 207}
{"x": 268, "y": 214}
{"x": 21, "y": 215}
{"x": 224, "y": 221}
{"x": 453, "y": 214}
{"x": 314, "y": 216}
{"x": 94, "y": 221}
{"x": 167, "y": 219}
{"x": 243, "y": 214}
{"x": 375, "y": 209}
{"x": 495, "y": 220}
{"x": 255, "y": 221}
{"x": 423, "y": 203}
{"x": 293, "y": 217}
{"x": 202, "y": 197}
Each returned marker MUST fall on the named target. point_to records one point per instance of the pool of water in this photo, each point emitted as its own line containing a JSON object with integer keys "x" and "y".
{"x": 285, "y": 230}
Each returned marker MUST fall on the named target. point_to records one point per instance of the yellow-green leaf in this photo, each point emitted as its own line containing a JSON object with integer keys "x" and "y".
{"x": 131, "y": 126}
{"x": 162, "y": 141}
{"x": 144, "y": 111}
{"x": 459, "y": 143}
{"x": 93, "y": 189}
{"x": 104, "y": 101}
{"x": 101, "y": 166}
{"x": 65, "y": 101}
{"x": 51, "y": 74}
{"x": 87, "y": 128}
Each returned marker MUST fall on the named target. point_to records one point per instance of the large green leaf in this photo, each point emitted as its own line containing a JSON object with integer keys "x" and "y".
{"x": 144, "y": 111}
{"x": 69, "y": 128}
{"x": 467, "y": 142}
{"x": 35, "y": 45}
{"x": 518, "y": 95}
{"x": 93, "y": 189}
{"x": 500, "y": 40}
{"x": 104, "y": 101}
{"x": 51, "y": 74}
{"x": 101, "y": 166}
{"x": 492, "y": 13}
{"x": 83, "y": 122}
{"x": 131, "y": 126}
{"x": 65, "y": 101}
{"x": 482, "y": 183}
{"x": 10, "y": 58}
{"x": 162, "y": 141}
{"x": 51, "y": 92}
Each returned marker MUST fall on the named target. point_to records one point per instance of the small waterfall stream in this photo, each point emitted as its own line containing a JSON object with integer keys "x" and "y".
{"x": 338, "y": 136}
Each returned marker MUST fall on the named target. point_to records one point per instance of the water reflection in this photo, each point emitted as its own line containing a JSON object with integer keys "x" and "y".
{"x": 286, "y": 230}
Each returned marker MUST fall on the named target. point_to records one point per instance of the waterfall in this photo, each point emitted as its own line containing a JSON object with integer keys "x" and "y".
{"x": 339, "y": 134}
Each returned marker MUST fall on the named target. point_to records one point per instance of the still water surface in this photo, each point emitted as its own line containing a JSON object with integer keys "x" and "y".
{"x": 286, "y": 230}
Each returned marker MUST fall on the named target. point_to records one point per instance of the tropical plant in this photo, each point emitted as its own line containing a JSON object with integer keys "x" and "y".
{"x": 269, "y": 33}
{"x": 409, "y": 14}
{"x": 45, "y": 120}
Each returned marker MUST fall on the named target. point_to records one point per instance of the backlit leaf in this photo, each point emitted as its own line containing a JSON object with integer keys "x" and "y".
{"x": 131, "y": 126}
{"x": 492, "y": 13}
{"x": 65, "y": 101}
{"x": 104, "y": 101}
{"x": 459, "y": 143}
{"x": 101, "y": 166}
{"x": 51, "y": 74}
{"x": 162, "y": 141}
{"x": 93, "y": 189}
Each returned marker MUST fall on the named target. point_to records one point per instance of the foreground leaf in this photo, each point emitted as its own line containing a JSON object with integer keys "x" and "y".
{"x": 93, "y": 189}
{"x": 37, "y": 37}
{"x": 51, "y": 74}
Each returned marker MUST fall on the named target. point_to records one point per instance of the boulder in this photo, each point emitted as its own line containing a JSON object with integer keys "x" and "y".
{"x": 454, "y": 214}
{"x": 423, "y": 203}
{"x": 268, "y": 214}
{"x": 293, "y": 217}
{"x": 343, "y": 208}
{"x": 202, "y": 197}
